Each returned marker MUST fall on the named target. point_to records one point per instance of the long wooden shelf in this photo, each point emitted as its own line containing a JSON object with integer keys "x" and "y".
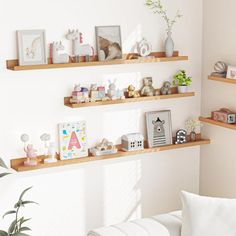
{"x": 224, "y": 80}
{"x": 17, "y": 164}
{"x": 159, "y": 57}
{"x": 127, "y": 100}
{"x": 209, "y": 120}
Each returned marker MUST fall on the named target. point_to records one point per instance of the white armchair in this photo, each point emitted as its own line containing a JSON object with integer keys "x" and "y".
{"x": 160, "y": 225}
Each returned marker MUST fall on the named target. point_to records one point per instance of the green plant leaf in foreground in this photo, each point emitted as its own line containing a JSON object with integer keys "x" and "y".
{"x": 3, "y": 233}
{"x": 20, "y": 234}
{"x": 2, "y": 164}
{"x": 4, "y": 174}
{"x": 23, "y": 193}
{"x": 9, "y": 213}
{"x": 25, "y": 229}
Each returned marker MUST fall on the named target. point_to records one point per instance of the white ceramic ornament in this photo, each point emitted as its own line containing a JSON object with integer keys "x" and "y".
{"x": 144, "y": 48}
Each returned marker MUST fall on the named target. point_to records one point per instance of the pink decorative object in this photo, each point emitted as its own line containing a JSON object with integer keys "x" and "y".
{"x": 224, "y": 115}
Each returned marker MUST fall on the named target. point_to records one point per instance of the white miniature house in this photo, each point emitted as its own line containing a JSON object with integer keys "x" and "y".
{"x": 132, "y": 142}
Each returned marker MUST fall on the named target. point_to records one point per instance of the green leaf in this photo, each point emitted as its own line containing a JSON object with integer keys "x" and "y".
{"x": 23, "y": 220}
{"x": 3, "y": 233}
{"x": 12, "y": 227}
{"x": 23, "y": 193}
{"x": 2, "y": 164}
{"x": 24, "y": 229}
{"x": 28, "y": 202}
{"x": 9, "y": 213}
{"x": 4, "y": 174}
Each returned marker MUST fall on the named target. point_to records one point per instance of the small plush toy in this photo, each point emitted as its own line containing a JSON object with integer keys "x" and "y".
{"x": 132, "y": 93}
{"x": 148, "y": 89}
{"x": 166, "y": 88}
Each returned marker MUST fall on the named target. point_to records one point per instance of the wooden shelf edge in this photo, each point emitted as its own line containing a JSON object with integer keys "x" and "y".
{"x": 208, "y": 120}
{"x": 220, "y": 79}
{"x": 17, "y": 164}
{"x": 14, "y": 64}
{"x": 127, "y": 100}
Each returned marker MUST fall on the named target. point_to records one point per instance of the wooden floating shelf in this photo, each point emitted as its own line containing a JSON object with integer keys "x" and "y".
{"x": 17, "y": 164}
{"x": 127, "y": 100}
{"x": 218, "y": 123}
{"x": 220, "y": 79}
{"x": 159, "y": 57}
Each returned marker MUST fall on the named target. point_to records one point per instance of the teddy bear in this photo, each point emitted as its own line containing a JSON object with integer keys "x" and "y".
{"x": 132, "y": 93}
{"x": 166, "y": 88}
{"x": 148, "y": 89}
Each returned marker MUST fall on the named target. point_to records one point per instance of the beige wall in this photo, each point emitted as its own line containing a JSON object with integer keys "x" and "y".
{"x": 218, "y": 160}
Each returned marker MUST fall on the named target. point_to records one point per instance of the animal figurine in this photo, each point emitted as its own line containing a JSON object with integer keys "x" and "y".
{"x": 29, "y": 150}
{"x": 78, "y": 48}
{"x": 220, "y": 69}
{"x": 166, "y": 88}
{"x": 113, "y": 93}
{"x": 45, "y": 138}
{"x": 148, "y": 89}
{"x": 57, "y": 57}
{"x": 132, "y": 93}
{"x": 104, "y": 148}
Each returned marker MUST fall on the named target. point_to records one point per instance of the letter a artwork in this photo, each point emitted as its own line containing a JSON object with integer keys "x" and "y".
{"x": 73, "y": 140}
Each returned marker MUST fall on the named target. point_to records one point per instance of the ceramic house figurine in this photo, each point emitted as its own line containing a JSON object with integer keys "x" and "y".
{"x": 30, "y": 152}
{"x": 79, "y": 49}
{"x": 148, "y": 89}
{"x": 166, "y": 88}
{"x": 103, "y": 148}
{"x": 57, "y": 56}
{"x": 132, "y": 93}
{"x": 132, "y": 142}
{"x": 80, "y": 94}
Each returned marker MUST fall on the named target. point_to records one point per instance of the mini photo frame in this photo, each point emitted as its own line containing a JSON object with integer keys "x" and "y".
{"x": 109, "y": 45}
{"x": 159, "y": 128}
{"x": 31, "y": 47}
{"x": 231, "y": 72}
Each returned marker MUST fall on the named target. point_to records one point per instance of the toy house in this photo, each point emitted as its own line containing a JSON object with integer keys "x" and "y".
{"x": 132, "y": 142}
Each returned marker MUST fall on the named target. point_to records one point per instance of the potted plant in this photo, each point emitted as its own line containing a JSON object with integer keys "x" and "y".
{"x": 182, "y": 81}
{"x": 157, "y": 8}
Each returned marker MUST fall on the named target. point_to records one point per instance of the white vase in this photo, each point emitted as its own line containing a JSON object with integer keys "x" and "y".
{"x": 183, "y": 89}
{"x": 169, "y": 45}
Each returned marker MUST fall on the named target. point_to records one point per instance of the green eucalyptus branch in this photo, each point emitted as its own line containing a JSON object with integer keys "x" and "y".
{"x": 157, "y": 8}
{"x": 3, "y": 165}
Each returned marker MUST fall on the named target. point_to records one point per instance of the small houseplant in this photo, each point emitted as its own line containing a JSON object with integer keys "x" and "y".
{"x": 182, "y": 81}
{"x": 17, "y": 227}
{"x": 157, "y": 8}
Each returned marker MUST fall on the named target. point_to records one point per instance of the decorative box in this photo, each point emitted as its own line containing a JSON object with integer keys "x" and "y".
{"x": 224, "y": 115}
{"x": 132, "y": 142}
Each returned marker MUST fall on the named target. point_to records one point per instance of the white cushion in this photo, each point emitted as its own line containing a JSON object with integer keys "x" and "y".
{"x": 161, "y": 225}
{"x": 205, "y": 216}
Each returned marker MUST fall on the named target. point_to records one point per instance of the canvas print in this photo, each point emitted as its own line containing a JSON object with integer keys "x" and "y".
{"x": 109, "y": 46}
{"x": 231, "y": 73}
{"x": 159, "y": 128}
{"x": 73, "y": 140}
{"x": 31, "y": 47}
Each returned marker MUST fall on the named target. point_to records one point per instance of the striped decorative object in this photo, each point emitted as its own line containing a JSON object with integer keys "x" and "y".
{"x": 220, "y": 67}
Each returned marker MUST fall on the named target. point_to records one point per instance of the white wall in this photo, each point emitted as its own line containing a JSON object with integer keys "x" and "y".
{"x": 75, "y": 199}
{"x": 218, "y": 159}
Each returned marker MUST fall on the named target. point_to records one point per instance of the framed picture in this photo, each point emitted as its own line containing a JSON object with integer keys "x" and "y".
{"x": 73, "y": 140}
{"x": 159, "y": 128}
{"x": 231, "y": 73}
{"x": 109, "y": 45}
{"x": 31, "y": 47}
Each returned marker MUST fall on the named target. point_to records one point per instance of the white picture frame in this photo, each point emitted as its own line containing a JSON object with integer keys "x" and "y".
{"x": 31, "y": 47}
{"x": 159, "y": 128}
{"x": 231, "y": 72}
{"x": 109, "y": 43}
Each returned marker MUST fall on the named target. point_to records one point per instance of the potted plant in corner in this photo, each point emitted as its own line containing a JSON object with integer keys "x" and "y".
{"x": 182, "y": 81}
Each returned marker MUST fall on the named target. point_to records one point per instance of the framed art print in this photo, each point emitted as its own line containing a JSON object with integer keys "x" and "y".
{"x": 73, "y": 140}
{"x": 159, "y": 128}
{"x": 231, "y": 72}
{"x": 109, "y": 46}
{"x": 31, "y": 47}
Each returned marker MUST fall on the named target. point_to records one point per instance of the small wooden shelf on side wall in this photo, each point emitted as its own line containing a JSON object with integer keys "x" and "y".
{"x": 17, "y": 164}
{"x": 127, "y": 59}
{"x": 174, "y": 94}
{"x": 224, "y": 80}
{"x": 209, "y": 120}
